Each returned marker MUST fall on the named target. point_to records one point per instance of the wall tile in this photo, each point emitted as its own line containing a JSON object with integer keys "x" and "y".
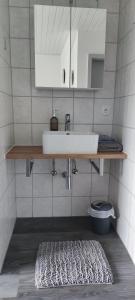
{"x": 61, "y": 206}
{"x": 6, "y": 138}
{"x": 23, "y": 186}
{"x": 131, "y": 243}
{"x": 123, "y": 230}
{"x": 6, "y": 116}
{"x": 21, "y": 82}
{"x": 99, "y": 198}
{"x": 42, "y": 166}
{"x": 86, "y": 3}
{"x": 81, "y": 185}
{"x": 20, "y": 53}
{"x": 32, "y": 53}
{"x": 99, "y": 116}
{"x": 42, "y": 185}
{"x": 5, "y": 79}
{"x": 123, "y": 3}
{"x": 40, "y": 2}
{"x": 62, "y": 2}
{"x": 41, "y": 110}
{"x": 59, "y": 186}
{"x": 22, "y": 109}
{"x": 60, "y": 165}
{"x": 110, "y": 57}
{"x": 20, "y": 166}
{"x": 80, "y": 206}
{"x": 24, "y": 207}
{"x": 63, "y": 106}
{"x": 20, "y": 3}
{"x": 108, "y": 88}
{"x": 63, "y": 93}
{"x": 128, "y": 141}
{"x": 83, "y": 127}
{"x": 83, "y": 166}
{"x": 112, "y": 28}
{"x": 19, "y": 22}
{"x": 124, "y": 207}
{"x": 32, "y": 22}
{"x": 132, "y": 210}
{"x": 22, "y": 134}
{"x": 42, "y": 207}
{"x": 127, "y": 175}
{"x": 5, "y": 53}
{"x": 37, "y": 131}
{"x": 112, "y": 6}
{"x": 106, "y": 166}
{"x": 103, "y": 129}
{"x": 83, "y": 111}
{"x": 100, "y": 185}
{"x": 79, "y": 93}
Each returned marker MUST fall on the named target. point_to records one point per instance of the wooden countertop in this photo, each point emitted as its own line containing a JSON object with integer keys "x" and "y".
{"x": 35, "y": 152}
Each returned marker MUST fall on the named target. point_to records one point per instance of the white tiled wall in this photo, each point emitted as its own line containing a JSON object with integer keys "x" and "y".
{"x": 122, "y": 183}
{"x": 42, "y": 194}
{"x": 7, "y": 172}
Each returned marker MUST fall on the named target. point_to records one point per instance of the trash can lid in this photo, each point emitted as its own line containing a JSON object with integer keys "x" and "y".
{"x": 101, "y": 205}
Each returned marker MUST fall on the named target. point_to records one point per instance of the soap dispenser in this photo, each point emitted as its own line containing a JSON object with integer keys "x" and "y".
{"x": 54, "y": 122}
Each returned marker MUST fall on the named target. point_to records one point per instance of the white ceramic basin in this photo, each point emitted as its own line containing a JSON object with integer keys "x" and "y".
{"x": 60, "y": 142}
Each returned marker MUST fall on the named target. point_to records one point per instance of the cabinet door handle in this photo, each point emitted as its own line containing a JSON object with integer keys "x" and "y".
{"x": 73, "y": 77}
{"x": 64, "y": 76}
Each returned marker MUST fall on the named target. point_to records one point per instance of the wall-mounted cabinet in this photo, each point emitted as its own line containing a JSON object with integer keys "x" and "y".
{"x": 69, "y": 47}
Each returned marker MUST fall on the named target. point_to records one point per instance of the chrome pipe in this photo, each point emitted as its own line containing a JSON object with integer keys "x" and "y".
{"x": 74, "y": 168}
{"x": 53, "y": 172}
{"x": 67, "y": 174}
{"x": 68, "y": 178}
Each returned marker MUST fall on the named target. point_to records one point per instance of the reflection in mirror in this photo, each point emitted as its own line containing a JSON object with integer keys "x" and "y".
{"x": 88, "y": 32}
{"x": 52, "y": 46}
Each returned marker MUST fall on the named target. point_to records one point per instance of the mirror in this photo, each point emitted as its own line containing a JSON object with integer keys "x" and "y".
{"x": 88, "y": 31}
{"x": 69, "y": 47}
{"x": 52, "y": 46}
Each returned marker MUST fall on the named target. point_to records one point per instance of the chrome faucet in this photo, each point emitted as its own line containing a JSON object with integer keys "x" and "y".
{"x": 67, "y": 122}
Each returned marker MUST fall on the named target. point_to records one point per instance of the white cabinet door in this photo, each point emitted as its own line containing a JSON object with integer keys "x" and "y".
{"x": 52, "y": 46}
{"x": 88, "y": 32}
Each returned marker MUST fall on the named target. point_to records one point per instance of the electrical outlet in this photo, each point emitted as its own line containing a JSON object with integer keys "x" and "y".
{"x": 106, "y": 110}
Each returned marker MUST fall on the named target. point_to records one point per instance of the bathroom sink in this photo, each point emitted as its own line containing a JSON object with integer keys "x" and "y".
{"x": 60, "y": 142}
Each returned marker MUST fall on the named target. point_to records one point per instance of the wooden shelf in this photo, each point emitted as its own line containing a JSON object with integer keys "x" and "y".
{"x": 35, "y": 152}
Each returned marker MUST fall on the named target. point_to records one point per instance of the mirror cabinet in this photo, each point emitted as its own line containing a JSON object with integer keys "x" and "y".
{"x": 69, "y": 47}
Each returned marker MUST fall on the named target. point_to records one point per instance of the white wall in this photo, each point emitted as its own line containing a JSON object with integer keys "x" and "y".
{"x": 122, "y": 184}
{"x": 42, "y": 195}
{"x": 7, "y": 173}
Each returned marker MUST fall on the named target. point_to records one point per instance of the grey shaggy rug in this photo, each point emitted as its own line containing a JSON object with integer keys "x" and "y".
{"x": 68, "y": 263}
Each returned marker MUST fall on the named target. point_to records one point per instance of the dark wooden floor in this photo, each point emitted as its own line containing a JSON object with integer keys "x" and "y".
{"x": 21, "y": 256}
